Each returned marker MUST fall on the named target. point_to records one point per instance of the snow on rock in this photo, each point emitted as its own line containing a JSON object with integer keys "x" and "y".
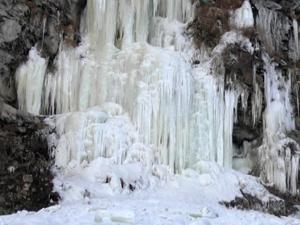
{"x": 243, "y": 17}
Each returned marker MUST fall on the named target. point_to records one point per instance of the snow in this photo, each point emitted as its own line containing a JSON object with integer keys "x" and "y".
{"x": 243, "y": 17}
{"x": 191, "y": 198}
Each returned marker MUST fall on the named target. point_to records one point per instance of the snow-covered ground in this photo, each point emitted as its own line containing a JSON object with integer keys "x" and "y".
{"x": 191, "y": 198}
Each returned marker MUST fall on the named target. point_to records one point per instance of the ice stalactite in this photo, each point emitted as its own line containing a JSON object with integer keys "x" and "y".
{"x": 296, "y": 34}
{"x": 30, "y": 78}
{"x": 279, "y": 154}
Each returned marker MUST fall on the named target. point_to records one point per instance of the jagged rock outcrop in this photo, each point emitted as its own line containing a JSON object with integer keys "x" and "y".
{"x": 25, "y": 160}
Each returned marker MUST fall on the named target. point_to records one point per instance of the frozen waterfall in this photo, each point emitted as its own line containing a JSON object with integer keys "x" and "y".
{"x": 135, "y": 54}
{"x": 130, "y": 91}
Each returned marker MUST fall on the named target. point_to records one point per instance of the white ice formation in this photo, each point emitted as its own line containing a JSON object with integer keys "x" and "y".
{"x": 155, "y": 106}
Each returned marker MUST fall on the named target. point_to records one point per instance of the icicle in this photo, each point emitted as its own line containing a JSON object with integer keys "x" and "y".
{"x": 85, "y": 136}
{"x": 230, "y": 107}
{"x": 213, "y": 116}
{"x": 256, "y": 100}
{"x": 29, "y": 80}
{"x": 183, "y": 115}
{"x": 296, "y": 36}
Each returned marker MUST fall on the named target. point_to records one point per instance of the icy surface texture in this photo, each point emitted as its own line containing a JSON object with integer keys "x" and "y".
{"x": 279, "y": 154}
{"x": 136, "y": 59}
{"x": 135, "y": 54}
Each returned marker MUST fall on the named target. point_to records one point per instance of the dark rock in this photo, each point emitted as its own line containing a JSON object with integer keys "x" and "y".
{"x": 212, "y": 21}
{"x": 277, "y": 207}
{"x": 25, "y": 168}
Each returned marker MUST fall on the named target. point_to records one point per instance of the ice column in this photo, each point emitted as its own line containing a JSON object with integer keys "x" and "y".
{"x": 29, "y": 80}
{"x": 279, "y": 154}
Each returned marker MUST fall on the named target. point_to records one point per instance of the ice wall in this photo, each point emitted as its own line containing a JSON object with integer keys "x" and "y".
{"x": 135, "y": 54}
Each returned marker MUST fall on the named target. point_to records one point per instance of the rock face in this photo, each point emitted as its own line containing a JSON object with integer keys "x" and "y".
{"x": 26, "y": 179}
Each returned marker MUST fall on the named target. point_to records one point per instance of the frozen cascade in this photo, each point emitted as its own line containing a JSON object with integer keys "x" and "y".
{"x": 279, "y": 154}
{"x": 134, "y": 56}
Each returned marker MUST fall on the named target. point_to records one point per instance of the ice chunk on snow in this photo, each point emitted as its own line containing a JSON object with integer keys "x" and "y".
{"x": 120, "y": 216}
{"x": 205, "y": 212}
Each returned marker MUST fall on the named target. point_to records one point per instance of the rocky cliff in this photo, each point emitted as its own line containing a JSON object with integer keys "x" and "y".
{"x": 25, "y": 160}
